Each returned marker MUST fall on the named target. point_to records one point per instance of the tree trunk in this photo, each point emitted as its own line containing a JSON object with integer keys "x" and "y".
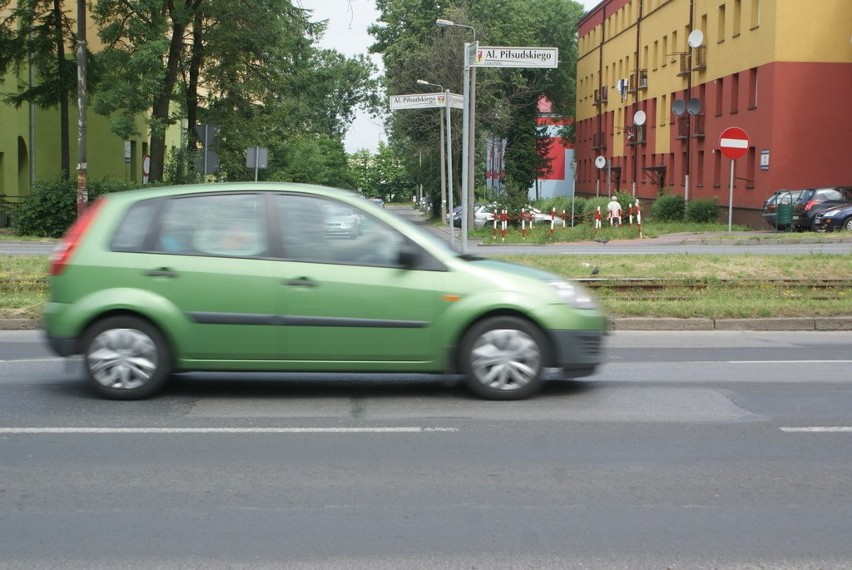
{"x": 64, "y": 130}
{"x": 194, "y": 73}
{"x": 160, "y": 111}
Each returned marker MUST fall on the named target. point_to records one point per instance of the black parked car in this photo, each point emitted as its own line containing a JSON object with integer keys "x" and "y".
{"x": 815, "y": 200}
{"x": 839, "y": 218}
{"x": 770, "y": 208}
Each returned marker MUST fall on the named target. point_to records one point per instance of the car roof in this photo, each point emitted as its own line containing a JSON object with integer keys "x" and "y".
{"x": 224, "y": 187}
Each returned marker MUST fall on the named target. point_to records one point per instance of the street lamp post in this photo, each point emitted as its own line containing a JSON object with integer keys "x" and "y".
{"x": 468, "y": 127}
{"x": 446, "y": 171}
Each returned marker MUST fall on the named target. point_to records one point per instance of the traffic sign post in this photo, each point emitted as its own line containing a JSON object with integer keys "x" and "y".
{"x": 446, "y": 101}
{"x": 734, "y": 144}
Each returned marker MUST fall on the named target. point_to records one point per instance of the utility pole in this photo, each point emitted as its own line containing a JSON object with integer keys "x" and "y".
{"x": 82, "y": 166}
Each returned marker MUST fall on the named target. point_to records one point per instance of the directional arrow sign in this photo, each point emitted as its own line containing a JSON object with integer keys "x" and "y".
{"x": 733, "y": 142}
{"x": 425, "y": 101}
{"x": 516, "y": 57}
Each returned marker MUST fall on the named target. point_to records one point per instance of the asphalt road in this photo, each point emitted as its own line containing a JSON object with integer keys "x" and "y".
{"x": 687, "y": 450}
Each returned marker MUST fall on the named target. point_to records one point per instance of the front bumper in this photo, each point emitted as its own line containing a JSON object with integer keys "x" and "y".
{"x": 577, "y": 353}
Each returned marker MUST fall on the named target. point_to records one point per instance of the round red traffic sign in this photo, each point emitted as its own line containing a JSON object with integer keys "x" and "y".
{"x": 733, "y": 142}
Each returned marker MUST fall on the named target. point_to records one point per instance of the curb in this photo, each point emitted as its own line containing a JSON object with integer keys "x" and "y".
{"x": 642, "y": 324}
{"x": 758, "y": 324}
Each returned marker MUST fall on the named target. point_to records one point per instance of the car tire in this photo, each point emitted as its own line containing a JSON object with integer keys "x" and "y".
{"x": 847, "y": 224}
{"x": 503, "y": 358}
{"x": 126, "y": 358}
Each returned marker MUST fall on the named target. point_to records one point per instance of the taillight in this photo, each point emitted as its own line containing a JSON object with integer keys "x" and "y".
{"x": 810, "y": 204}
{"x": 72, "y": 238}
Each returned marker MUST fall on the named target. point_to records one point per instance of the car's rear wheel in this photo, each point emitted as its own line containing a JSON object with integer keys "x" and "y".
{"x": 126, "y": 358}
{"x": 503, "y": 358}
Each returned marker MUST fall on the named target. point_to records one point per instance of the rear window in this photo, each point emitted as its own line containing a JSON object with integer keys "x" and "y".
{"x": 135, "y": 228}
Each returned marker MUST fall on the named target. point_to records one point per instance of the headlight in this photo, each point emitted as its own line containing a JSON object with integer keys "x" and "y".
{"x": 574, "y": 295}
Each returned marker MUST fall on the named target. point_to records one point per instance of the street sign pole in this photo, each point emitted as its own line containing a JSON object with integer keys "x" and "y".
{"x": 466, "y": 130}
{"x": 449, "y": 166}
{"x": 731, "y": 199}
{"x": 734, "y": 144}
{"x": 427, "y": 101}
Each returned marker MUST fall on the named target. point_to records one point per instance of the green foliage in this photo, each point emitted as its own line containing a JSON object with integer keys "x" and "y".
{"x": 310, "y": 158}
{"x": 592, "y": 204}
{"x": 703, "y": 211}
{"x": 413, "y": 48}
{"x": 669, "y": 208}
{"x": 51, "y": 207}
{"x": 254, "y": 72}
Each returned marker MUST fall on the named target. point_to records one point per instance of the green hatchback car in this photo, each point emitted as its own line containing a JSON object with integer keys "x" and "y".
{"x": 246, "y": 277}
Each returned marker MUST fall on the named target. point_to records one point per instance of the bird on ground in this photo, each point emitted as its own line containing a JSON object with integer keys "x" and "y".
{"x": 596, "y": 270}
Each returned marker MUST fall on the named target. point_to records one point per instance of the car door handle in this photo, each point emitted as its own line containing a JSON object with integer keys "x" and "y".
{"x": 301, "y": 282}
{"x": 161, "y": 272}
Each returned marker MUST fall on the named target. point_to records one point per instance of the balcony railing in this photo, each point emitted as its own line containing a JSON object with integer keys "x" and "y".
{"x": 601, "y": 95}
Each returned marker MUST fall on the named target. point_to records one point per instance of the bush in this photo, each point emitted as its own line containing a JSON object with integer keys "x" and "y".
{"x": 591, "y": 206}
{"x": 669, "y": 209}
{"x": 51, "y": 206}
{"x": 703, "y": 211}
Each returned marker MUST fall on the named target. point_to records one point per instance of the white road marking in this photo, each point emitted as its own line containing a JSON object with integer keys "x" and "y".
{"x": 790, "y": 362}
{"x": 232, "y": 430}
{"x": 818, "y": 429}
{"x": 49, "y": 359}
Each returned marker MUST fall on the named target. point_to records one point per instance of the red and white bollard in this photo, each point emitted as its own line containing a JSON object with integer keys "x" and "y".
{"x": 639, "y": 218}
{"x": 523, "y": 223}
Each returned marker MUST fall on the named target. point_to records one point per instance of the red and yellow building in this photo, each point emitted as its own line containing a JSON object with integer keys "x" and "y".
{"x": 659, "y": 80}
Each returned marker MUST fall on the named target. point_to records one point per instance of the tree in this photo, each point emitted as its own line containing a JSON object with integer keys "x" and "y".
{"x": 36, "y": 32}
{"x": 254, "y": 72}
{"x": 507, "y": 99}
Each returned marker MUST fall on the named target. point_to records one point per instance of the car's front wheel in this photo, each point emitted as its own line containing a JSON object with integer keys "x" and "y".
{"x": 503, "y": 358}
{"x": 126, "y": 358}
{"x": 847, "y": 224}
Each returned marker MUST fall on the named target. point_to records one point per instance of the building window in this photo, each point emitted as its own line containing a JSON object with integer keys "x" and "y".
{"x": 750, "y": 168}
{"x": 735, "y": 93}
{"x": 699, "y": 170}
{"x": 663, "y": 110}
{"x": 720, "y": 29}
{"x": 720, "y": 96}
{"x": 755, "y": 14}
{"x": 717, "y": 169}
{"x": 752, "y": 88}
{"x": 665, "y": 51}
{"x": 737, "y": 18}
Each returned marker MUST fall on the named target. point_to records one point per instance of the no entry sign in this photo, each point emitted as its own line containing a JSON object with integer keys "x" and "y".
{"x": 733, "y": 142}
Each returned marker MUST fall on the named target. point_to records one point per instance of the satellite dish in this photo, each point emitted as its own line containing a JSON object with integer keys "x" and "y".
{"x": 600, "y": 162}
{"x": 639, "y": 118}
{"x": 695, "y": 39}
{"x": 693, "y": 107}
{"x": 679, "y": 107}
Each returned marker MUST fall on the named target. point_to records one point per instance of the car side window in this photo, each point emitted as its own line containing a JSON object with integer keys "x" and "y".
{"x": 134, "y": 229}
{"x": 833, "y": 195}
{"x": 232, "y": 225}
{"x": 321, "y": 230}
